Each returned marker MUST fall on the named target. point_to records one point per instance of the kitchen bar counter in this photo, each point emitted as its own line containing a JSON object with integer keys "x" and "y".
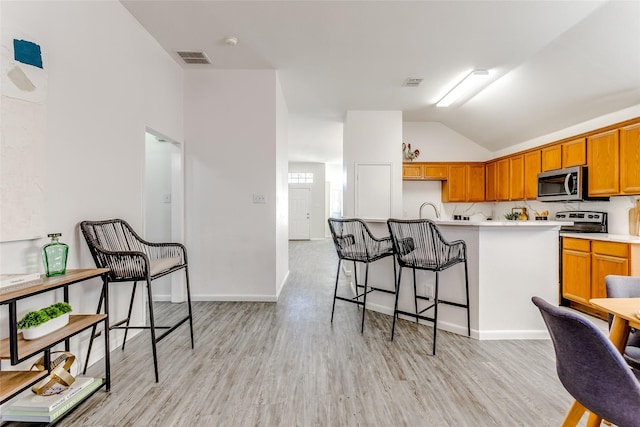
{"x": 509, "y": 262}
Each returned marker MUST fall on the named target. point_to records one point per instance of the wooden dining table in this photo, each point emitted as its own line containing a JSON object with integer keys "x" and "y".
{"x": 625, "y": 317}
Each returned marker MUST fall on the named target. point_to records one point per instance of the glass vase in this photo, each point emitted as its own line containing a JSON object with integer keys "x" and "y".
{"x": 54, "y": 256}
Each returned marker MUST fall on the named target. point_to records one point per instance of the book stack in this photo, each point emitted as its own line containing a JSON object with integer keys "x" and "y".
{"x": 14, "y": 282}
{"x": 29, "y": 407}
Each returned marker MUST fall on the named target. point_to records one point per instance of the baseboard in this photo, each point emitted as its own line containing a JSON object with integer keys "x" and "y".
{"x": 235, "y": 298}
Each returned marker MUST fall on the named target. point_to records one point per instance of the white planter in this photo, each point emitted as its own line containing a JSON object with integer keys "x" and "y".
{"x": 45, "y": 328}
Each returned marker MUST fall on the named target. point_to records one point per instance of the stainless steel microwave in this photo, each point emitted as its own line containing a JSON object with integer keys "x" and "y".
{"x": 564, "y": 185}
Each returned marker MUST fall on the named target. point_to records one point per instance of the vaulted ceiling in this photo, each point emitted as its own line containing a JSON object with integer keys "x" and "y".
{"x": 552, "y": 64}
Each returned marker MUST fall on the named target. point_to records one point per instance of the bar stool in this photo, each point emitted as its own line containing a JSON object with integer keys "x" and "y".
{"x": 355, "y": 242}
{"x": 419, "y": 245}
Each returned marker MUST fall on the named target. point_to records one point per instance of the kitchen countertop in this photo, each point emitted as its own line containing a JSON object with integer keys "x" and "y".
{"x": 503, "y": 223}
{"x": 605, "y": 237}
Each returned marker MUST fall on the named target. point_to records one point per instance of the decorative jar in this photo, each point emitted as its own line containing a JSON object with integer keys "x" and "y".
{"x": 54, "y": 256}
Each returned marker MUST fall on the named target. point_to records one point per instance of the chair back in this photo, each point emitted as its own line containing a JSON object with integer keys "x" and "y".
{"x": 590, "y": 367}
{"x": 355, "y": 242}
{"x": 418, "y": 243}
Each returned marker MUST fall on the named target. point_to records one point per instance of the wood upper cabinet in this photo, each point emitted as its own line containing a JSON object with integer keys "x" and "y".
{"x": 630, "y": 159}
{"x": 516, "y": 177}
{"x": 424, "y": 171}
{"x": 531, "y": 171}
{"x": 502, "y": 180}
{"x": 475, "y": 183}
{"x": 490, "y": 182}
{"x": 465, "y": 183}
{"x": 455, "y": 187}
{"x": 603, "y": 152}
{"x": 412, "y": 171}
{"x": 551, "y": 158}
{"x": 574, "y": 153}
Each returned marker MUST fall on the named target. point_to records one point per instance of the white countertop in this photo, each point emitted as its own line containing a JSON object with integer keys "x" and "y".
{"x": 503, "y": 223}
{"x": 621, "y": 238}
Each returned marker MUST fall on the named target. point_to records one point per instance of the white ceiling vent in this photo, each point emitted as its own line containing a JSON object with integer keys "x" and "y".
{"x": 411, "y": 82}
{"x": 192, "y": 57}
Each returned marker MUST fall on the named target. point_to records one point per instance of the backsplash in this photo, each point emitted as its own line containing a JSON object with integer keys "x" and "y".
{"x": 415, "y": 193}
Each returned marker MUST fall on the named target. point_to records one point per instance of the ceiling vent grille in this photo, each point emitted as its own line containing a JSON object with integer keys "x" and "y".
{"x": 411, "y": 82}
{"x": 193, "y": 57}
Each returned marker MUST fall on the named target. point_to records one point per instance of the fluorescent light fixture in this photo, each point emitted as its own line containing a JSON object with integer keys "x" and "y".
{"x": 463, "y": 87}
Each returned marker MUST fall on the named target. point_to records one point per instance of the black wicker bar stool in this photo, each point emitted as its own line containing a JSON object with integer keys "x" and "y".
{"x": 419, "y": 245}
{"x": 355, "y": 242}
{"x": 114, "y": 245}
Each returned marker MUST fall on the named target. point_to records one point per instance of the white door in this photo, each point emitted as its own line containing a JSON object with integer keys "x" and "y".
{"x": 299, "y": 202}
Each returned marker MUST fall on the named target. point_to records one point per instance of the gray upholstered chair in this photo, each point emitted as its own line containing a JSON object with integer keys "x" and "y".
{"x": 591, "y": 369}
{"x": 626, "y": 287}
{"x": 355, "y": 242}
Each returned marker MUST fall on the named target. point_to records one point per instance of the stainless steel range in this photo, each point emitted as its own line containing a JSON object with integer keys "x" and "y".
{"x": 583, "y": 221}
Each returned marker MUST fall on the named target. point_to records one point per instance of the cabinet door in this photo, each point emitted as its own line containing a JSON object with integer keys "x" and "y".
{"x": 435, "y": 172}
{"x": 576, "y": 275}
{"x": 574, "y": 153}
{"x": 490, "y": 182}
{"x": 603, "y": 163}
{"x": 630, "y": 159}
{"x": 454, "y": 189}
{"x": 502, "y": 180}
{"x": 475, "y": 183}
{"x": 516, "y": 178}
{"x": 531, "y": 171}
{"x": 603, "y": 265}
{"x": 551, "y": 157}
{"x": 411, "y": 171}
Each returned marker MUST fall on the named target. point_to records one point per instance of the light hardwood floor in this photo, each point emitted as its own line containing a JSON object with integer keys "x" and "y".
{"x": 284, "y": 364}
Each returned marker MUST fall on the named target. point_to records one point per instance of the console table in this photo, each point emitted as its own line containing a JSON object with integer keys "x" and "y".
{"x": 17, "y": 349}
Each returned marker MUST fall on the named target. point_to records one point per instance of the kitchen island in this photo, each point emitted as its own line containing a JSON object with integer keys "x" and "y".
{"x": 508, "y": 262}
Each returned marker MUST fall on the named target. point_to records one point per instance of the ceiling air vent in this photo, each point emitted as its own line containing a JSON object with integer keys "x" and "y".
{"x": 191, "y": 57}
{"x": 411, "y": 82}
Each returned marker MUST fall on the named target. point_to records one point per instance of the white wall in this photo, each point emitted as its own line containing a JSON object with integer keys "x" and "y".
{"x": 233, "y": 129}
{"x": 282, "y": 190}
{"x": 108, "y": 80}
{"x": 373, "y": 137}
{"x": 318, "y": 216}
{"x": 438, "y": 143}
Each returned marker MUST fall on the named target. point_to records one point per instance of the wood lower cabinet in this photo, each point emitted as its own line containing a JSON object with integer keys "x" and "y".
{"x": 576, "y": 270}
{"x": 603, "y": 152}
{"x": 586, "y": 263}
{"x": 630, "y": 159}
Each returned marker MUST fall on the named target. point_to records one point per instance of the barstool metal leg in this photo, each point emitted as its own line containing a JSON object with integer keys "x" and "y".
{"x": 395, "y": 306}
{"x": 364, "y": 296}
{"x": 186, "y": 272}
{"x": 415, "y": 293}
{"x": 435, "y": 312}
{"x": 466, "y": 284}
{"x": 153, "y": 330}
{"x": 133, "y": 294}
{"x": 335, "y": 291}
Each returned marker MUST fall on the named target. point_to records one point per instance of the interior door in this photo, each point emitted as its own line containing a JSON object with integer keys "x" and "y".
{"x": 299, "y": 218}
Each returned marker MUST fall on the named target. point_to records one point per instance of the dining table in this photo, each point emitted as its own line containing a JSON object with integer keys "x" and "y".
{"x": 625, "y": 313}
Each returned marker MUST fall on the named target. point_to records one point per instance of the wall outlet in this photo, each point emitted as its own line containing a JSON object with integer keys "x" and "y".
{"x": 166, "y": 197}
{"x": 259, "y": 198}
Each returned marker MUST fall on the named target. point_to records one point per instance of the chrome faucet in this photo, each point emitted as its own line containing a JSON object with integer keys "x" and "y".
{"x": 433, "y": 206}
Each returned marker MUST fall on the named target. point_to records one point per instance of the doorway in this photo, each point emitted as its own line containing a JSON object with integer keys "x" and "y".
{"x": 299, "y": 214}
{"x": 164, "y": 203}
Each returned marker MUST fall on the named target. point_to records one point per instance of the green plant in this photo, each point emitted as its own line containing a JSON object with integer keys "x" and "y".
{"x": 511, "y": 216}
{"x": 38, "y": 317}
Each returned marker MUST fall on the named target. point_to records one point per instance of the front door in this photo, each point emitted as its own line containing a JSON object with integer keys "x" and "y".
{"x": 299, "y": 202}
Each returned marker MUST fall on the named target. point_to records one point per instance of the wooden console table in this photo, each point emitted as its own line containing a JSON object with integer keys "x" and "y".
{"x": 17, "y": 349}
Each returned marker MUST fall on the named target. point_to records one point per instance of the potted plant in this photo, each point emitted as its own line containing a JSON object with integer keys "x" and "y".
{"x": 36, "y": 324}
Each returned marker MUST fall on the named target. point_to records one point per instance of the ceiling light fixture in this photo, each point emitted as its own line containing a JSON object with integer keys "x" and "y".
{"x": 471, "y": 80}
{"x": 231, "y": 40}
